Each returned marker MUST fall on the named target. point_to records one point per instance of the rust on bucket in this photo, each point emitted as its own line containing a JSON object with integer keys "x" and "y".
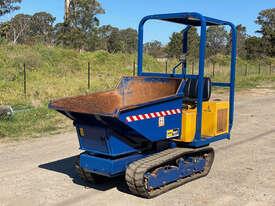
{"x": 97, "y": 103}
{"x": 127, "y": 95}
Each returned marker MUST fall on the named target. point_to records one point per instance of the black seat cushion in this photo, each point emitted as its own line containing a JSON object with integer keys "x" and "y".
{"x": 191, "y": 89}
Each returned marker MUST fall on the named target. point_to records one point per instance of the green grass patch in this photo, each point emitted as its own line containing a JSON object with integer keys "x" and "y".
{"x": 33, "y": 122}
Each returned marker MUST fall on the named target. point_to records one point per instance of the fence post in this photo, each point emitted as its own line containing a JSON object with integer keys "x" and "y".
{"x": 166, "y": 66}
{"x": 134, "y": 68}
{"x": 25, "y": 80}
{"x": 270, "y": 68}
{"x": 259, "y": 68}
{"x": 89, "y": 75}
{"x": 246, "y": 70}
{"x": 213, "y": 69}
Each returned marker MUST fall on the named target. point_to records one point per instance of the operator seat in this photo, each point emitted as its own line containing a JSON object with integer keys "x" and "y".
{"x": 191, "y": 90}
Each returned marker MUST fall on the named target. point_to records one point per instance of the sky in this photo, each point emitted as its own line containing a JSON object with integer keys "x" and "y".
{"x": 128, "y": 13}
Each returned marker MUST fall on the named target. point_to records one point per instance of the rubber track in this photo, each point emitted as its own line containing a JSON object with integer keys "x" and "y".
{"x": 135, "y": 172}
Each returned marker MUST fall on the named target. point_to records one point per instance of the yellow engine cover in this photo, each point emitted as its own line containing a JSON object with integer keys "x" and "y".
{"x": 188, "y": 125}
{"x": 215, "y": 120}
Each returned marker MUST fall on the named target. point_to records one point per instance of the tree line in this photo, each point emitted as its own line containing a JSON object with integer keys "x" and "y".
{"x": 82, "y": 31}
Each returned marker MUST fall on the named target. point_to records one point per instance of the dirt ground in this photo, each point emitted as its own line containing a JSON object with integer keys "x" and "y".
{"x": 40, "y": 171}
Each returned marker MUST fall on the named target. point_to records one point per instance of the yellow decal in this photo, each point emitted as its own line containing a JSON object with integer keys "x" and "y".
{"x": 172, "y": 133}
{"x": 81, "y": 132}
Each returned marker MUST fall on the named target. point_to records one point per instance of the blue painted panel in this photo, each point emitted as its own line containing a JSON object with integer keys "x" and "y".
{"x": 100, "y": 140}
{"x": 118, "y": 147}
{"x": 185, "y": 168}
{"x": 107, "y": 167}
{"x": 93, "y": 139}
{"x": 150, "y": 128}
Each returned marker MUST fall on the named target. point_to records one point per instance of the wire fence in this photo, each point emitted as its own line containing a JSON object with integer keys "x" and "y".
{"x": 211, "y": 70}
{"x": 91, "y": 78}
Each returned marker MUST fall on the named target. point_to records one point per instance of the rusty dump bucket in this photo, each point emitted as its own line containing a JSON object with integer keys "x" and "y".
{"x": 130, "y": 93}
{"x": 133, "y": 99}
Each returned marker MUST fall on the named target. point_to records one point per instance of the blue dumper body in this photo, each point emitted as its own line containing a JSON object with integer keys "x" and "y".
{"x": 116, "y": 127}
{"x": 142, "y": 116}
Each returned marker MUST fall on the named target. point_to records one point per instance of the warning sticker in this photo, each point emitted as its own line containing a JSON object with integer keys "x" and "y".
{"x": 172, "y": 133}
{"x": 161, "y": 122}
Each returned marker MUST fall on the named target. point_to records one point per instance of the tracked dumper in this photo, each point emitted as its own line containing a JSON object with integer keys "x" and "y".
{"x": 154, "y": 128}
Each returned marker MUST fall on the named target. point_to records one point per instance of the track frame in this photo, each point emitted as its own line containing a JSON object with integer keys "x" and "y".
{"x": 136, "y": 172}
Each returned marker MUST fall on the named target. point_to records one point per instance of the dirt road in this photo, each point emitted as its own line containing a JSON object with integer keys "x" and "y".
{"x": 40, "y": 172}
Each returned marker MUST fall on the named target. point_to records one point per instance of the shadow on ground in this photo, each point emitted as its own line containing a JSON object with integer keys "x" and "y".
{"x": 66, "y": 166}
